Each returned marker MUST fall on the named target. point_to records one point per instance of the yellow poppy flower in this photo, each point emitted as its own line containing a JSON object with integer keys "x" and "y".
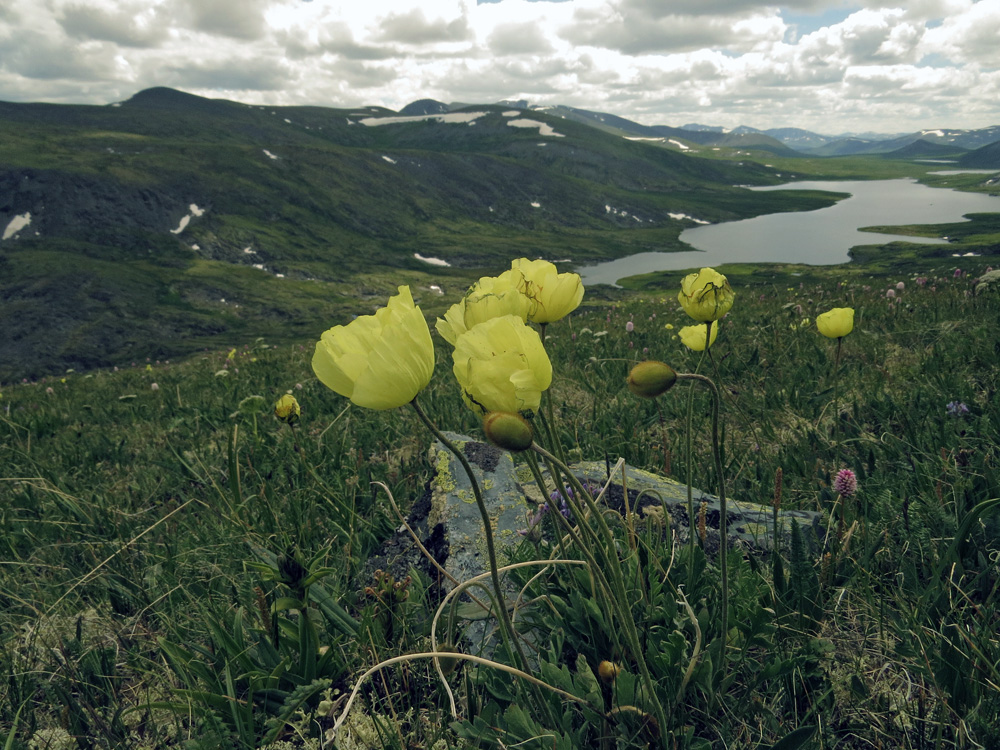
{"x": 693, "y": 337}
{"x": 836, "y": 323}
{"x": 554, "y": 295}
{"x": 490, "y": 297}
{"x": 287, "y": 409}
{"x": 378, "y": 361}
{"x": 501, "y": 365}
{"x": 706, "y": 295}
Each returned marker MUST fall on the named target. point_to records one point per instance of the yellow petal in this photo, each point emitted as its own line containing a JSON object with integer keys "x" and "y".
{"x": 501, "y": 365}
{"x": 693, "y": 337}
{"x": 836, "y": 323}
{"x": 379, "y": 361}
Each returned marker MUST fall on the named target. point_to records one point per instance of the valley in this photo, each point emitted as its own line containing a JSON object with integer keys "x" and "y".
{"x": 168, "y": 223}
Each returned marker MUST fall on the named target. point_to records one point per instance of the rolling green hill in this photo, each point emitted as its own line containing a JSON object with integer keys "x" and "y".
{"x": 986, "y": 157}
{"x": 169, "y": 222}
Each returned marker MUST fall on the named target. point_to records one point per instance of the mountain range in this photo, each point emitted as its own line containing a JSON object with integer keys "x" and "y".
{"x": 167, "y": 223}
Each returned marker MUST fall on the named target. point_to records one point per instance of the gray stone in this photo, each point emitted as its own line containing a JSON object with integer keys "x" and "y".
{"x": 448, "y": 521}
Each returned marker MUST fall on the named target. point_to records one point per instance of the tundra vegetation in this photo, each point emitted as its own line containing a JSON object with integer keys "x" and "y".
{"x": 184, "y": 566}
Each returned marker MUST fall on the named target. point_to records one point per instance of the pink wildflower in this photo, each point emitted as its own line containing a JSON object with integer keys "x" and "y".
{"x": 901, "y": 286}
{"x": 890, "y": 294}
{"x": 845, "y": 483}
{"x": 630, "y": 326}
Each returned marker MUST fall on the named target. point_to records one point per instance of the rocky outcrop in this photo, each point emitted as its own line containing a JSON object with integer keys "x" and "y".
{"x": 449, "y": 524}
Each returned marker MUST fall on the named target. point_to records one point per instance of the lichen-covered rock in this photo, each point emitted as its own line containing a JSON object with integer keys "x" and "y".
{"x": 661, "y": 498}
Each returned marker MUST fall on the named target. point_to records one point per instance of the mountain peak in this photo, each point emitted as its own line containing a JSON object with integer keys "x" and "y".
{"x": 425, "y": 107}
{"x": 161, "y": 97}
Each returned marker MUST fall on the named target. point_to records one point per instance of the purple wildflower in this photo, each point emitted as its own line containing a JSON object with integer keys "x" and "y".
{"x": 845, "y": 483}
{"x": 957, "y": 409}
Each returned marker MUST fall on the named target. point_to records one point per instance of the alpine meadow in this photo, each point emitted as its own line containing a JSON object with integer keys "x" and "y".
{"x": 311, "y": 436}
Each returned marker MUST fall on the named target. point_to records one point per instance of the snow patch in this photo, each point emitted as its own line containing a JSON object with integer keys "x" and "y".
{"x": 543, "y": 129}
{"x": 536, "y": 204}
{"x": 269, "y": 155}
{"x": 680, "y": 217}
{"x": 248, "y": 250}
{"x": 436, "y": 289}
{"x": 512, "y": 113}
{"x": 16, "y": 224}
{"x": 679, "y": 145}
{"x": 432, "y": 261}
{"x": 195, "y": 211}
{"x": 453, "y": 117}
{"x": 391, "y": 161}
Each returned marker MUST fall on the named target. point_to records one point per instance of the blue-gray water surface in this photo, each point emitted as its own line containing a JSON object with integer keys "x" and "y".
{"x": 820, "y": 237}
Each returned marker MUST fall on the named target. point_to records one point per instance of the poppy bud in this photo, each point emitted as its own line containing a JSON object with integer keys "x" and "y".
{"x": 649, "y": 379}
{"x": 608, "y": 671}
{"x": 509, "y": 431}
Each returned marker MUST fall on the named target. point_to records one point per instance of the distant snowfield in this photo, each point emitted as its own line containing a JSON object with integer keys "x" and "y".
{"x": 671, "y": 141}
{"x": 195, "y": 211}
{"x": 432, "y": 261}
{"x": 543, "y": 129}
{"x": 679, "y": 217}
{"x": 452, "y": 117}
{"x": 16, "y": 225}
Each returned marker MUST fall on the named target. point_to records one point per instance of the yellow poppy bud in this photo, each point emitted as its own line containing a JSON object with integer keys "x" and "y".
{"x": 509, "y": 431}
{"x": 378, "y": 361}
{"x": 490, "y": 297}
{"x": 554, "y": 295}
{"x": 836, "y": 323}
{"x": 287, "y": 409}
{"x": 706, "y": 295}
{"x": 650, "y": 379}
{"x": 693, "y": 337}
{"x": 608, "y": 671}
{"x": 501, "y": 365}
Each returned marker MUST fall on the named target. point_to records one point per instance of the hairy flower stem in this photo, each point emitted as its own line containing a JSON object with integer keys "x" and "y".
{"x": 579, "y": 515}
{"x": 692, "y": 522}
{"x": 836, "y": 406}
{"x": 620, "y": 600}
{"x": 554, "y": 441}
{"x": 723, "y": 527}
{"x": 506, "y": 626}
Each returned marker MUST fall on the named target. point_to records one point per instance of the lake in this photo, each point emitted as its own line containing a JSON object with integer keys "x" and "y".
{"x": 820, "y": 237}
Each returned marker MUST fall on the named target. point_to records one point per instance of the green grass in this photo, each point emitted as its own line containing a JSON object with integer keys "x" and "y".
{"x": 148, "y": 534}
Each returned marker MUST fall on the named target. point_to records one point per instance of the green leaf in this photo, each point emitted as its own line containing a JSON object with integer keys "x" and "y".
{"x": 795, "y": 739}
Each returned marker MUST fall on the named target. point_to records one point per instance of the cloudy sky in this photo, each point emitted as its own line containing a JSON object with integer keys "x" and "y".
{"x": 831, "y": 66}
